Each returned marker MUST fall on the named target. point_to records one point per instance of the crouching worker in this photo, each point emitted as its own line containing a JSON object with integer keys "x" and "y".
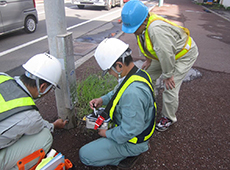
{"x": 131, "y": 107}
{"x": 22, "y": 129}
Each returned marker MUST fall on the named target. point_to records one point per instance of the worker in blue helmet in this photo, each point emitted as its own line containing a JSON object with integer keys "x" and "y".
{"x": 169, "y": 50}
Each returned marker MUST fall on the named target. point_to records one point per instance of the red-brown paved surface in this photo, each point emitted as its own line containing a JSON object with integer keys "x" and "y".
{"x": 201, "y": 137}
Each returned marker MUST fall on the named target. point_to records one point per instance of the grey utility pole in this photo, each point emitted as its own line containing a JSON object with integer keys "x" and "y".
{"x": 61, "y": 46}
{"x": 161, "y": 2}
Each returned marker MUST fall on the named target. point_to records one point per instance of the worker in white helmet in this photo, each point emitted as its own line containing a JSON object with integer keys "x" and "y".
{"x": 170, "y": 52}
{"x": 22, "y": 129}
{"x": 131, "y": 107}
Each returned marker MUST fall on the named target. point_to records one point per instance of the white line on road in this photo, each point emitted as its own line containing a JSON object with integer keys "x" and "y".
{"x": 22, "y": 46}
{"x": 44, "y": 37}
{"x": 93, "y": 19}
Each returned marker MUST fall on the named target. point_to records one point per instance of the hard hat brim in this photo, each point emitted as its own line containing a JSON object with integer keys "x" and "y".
{"x": 129, "y": 30}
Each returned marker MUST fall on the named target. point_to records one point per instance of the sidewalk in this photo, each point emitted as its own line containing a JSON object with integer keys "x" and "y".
{"x": 200, "y": 138}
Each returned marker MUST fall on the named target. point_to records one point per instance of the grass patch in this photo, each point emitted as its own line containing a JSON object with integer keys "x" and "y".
{"x": 93, "y": 86}
{"x": 216, "y": 6}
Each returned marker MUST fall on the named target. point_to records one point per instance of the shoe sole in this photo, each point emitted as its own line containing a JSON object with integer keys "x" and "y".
{"x": 162, "y": 130}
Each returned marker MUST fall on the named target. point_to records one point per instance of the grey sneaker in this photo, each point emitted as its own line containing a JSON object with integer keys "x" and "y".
{"x": 163, "y": 124}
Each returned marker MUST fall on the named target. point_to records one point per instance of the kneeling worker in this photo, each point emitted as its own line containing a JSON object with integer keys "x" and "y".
{"x": 131, "y": 107}
{"x": 22, "y": 128}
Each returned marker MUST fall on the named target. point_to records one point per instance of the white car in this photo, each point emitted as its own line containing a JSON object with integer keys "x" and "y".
{"x": 106, "y": 3}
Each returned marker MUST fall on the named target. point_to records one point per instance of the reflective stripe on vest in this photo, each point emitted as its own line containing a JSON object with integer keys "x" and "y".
{"x": 13, "y": 99}
{"x": 149, "y": 46}
{"x": 140, "y": 76}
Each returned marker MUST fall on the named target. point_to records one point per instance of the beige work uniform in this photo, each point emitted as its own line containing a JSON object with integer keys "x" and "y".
{"x": 167, "y": 41}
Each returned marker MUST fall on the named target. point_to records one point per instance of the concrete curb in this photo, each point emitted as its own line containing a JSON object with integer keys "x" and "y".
{"x": 216, "y": 13}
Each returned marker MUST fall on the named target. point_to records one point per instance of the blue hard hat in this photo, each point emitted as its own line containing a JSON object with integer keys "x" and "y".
{"x": 133, "y": 15}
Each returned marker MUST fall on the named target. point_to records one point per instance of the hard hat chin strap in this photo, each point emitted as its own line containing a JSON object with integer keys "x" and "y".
{"x": 119, "y": 73}
{"x": 31, "y": 76}
{"x": 38, "y": 88}
{"x": 125, "y": 54}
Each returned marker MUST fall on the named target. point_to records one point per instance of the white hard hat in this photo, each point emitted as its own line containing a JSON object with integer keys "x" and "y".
{"x": 108, "y": 51}
{"x": 44, "y": 66}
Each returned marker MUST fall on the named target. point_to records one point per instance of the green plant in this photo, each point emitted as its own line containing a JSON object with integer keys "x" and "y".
{"x": 217, "y": 6}
{"x": 93, "y": 86}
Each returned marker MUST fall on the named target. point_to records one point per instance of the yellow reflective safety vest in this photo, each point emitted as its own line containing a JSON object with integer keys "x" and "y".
{"x": 13, "y": 99}
{"x": 140, "y": 76}
{"x": 149, "y": 47}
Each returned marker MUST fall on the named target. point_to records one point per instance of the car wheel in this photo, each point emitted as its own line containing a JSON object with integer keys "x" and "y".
{"x": 30, "y": 24}
{"x": 108, "y": 5}
{"x": 81, "y": 6}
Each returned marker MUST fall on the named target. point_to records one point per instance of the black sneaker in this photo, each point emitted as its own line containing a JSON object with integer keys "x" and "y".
{"x": 128, "y": 162}
{"x": 163, "y": 124}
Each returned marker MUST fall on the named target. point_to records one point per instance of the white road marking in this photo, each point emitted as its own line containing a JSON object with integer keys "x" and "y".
{"x": 44, "y": 37}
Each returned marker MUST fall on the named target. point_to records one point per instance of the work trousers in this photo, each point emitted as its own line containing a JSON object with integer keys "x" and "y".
{"x": 171, "y": 97}
{"x": 26, "y": 145}
{"x": 104, "y": 151}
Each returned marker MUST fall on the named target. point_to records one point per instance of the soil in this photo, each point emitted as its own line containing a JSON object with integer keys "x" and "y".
{"x": 199, "y": 140}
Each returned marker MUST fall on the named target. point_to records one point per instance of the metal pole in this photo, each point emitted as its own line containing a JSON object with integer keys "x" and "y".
{"x": 61, "y": 46}
{"x": 55, "y": 22}
{"x": 161, "y": 2}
